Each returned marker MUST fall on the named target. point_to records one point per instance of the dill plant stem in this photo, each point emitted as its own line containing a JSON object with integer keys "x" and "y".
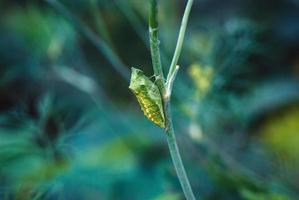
{"x": 154, "y": 46}
{"x": 175, "y": 154}
{"x": 180, "y": 40}
{"x": 165, "y": 90}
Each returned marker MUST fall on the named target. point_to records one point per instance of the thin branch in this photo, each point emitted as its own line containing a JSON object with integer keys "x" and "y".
{"x": 137, "y": 25}
{"x": 176, "y": 157}
{"x": 155, "y": 53}
{"x": 100, "y": 22}
{"x": 180, "y": 40}
{"x": 154, "y": 46}
{"x": 169, "y": 83}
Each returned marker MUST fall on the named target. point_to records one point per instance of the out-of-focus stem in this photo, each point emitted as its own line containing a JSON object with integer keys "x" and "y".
{"x": 100, "y": 23}
{"x": 100, "y": 44}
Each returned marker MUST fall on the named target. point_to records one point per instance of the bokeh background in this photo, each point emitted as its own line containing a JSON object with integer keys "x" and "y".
{"x": 71, "y": 129}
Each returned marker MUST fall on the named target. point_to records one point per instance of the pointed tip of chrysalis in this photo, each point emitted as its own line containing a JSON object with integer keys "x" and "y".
{"x": 135, "y": 74}
{"x": 135, "y": 70}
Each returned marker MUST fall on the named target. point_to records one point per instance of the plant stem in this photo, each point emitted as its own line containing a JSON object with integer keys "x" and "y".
{"x": 175, "y": 153}
{"x": 165, "y": 90}
{"x": 100, "y": 22}
{"x": 154, "y": 46}
{"x": 169, "y": 83}
{"x": 180, "y": 41}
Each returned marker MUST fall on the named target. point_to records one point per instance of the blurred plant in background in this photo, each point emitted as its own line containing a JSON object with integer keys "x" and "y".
{"x": 70, "y": 129}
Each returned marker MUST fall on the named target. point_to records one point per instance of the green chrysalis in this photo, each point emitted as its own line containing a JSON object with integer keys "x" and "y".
{"x": 148, "y": 96}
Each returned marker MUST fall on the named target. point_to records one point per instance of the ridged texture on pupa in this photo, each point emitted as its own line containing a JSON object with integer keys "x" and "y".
{"x": 148, "y": 96}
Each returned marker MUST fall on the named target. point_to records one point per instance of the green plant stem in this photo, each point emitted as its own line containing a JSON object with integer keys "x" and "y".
{"x": 180, "y": 41}
{"x": 154, "y": 46}
{"x": 100, "y": 22}
{"x": 169, "y": 83}
{"x": 165, "y": 91}
{"x": 175, "y": 153}
{"x": 137, "y": 25}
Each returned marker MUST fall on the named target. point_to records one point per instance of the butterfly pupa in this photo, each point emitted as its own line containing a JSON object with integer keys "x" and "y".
{"x": 148, "y": 96}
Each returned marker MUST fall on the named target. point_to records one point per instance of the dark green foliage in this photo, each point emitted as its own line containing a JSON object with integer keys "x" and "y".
{"x": 69, "y": 128}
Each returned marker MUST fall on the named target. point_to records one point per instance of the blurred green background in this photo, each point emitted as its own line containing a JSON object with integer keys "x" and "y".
{"x": 71, "y": 129}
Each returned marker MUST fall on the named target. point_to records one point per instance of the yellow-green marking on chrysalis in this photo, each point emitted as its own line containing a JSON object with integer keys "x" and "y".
{"x": 148, "y": 96}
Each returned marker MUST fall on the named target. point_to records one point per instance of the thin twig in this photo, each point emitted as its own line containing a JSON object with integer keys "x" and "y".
{"x": 169, "y": 83}
{"x": 175, "y": 155}
{"x": 137, "y": 25}
{"x": 100, "y": 22}
{"x": 154, "y": 46}
{"x": 180, "y": 41}
{"x": 165, "y": 89}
